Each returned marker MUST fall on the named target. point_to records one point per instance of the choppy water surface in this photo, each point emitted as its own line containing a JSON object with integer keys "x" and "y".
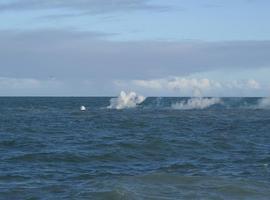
{"x": 165, "y": 148}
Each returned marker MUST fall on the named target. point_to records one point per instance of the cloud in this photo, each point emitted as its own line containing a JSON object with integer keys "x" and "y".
{"x": 248, "y": 84}
{"x": 73, "y": 56}
{"x": 83, "y": 6}
{"x": 176, "y": 83}
{"x": 177, "y": 86}
{"x": 151, "y": 84}
{"x": 193, "y": 86}
{"x": 253, "y": 84}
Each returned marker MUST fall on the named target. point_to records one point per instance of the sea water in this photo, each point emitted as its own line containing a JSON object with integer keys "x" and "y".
{"x": 158, "y": 148}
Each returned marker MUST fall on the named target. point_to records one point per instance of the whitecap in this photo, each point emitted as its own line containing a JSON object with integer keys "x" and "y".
{"x": 264, "y": 103}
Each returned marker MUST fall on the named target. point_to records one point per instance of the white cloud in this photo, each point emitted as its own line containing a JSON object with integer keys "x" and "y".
{"x": 152, "y": 84}
{"x": 192, "y": 86}
{"x": 247, "y": 84}
{"x": 178, "y": 83}
{"x": 253, "y": 84}
{"x": 174, "y": 83}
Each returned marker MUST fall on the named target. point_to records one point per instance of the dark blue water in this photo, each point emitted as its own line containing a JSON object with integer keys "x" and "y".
{"x": 49, "y": 149}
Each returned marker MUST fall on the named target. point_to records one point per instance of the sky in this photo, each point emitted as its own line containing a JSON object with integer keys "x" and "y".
{"x": 153, "y": 47}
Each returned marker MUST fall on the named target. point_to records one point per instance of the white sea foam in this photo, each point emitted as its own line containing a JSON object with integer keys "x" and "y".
{"x": 264, "y": 103}
{"x": 126, "y": 100}
{"x": 82, "y": 108}
{"x": 196, "y": 103}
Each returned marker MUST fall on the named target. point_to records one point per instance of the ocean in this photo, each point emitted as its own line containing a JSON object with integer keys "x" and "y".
{"x": 154, "y": 148}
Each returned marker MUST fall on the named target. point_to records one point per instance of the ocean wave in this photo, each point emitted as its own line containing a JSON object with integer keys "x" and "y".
{"x": 132, "y": 100}
{"x": 175, "y": 186}
{"x": 126, "y": 100}
{"x": 264, "y": 103}
{"x": 196, "y": 103}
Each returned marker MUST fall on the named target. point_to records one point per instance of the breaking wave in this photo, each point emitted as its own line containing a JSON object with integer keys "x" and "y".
{"x": 132, "y": 100}
{"x": 126, "y": 100}
{"x": 264, "y": 103}
{"x": 196, "y": 103}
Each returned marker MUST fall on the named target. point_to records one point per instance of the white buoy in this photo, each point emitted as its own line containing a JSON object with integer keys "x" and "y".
{"x": 83, "y": 108}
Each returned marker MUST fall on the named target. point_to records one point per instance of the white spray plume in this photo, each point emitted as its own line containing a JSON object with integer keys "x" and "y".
{"x": 196, "y": 103}
{"x": 264, "y": 103}
{"x": 126, "y": 100}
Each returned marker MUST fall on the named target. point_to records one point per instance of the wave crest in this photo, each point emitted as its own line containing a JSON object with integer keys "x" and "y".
{"x": 126, "y": 100}
{"x": 196, "y": 103}
{"x": 264, "y": 103}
